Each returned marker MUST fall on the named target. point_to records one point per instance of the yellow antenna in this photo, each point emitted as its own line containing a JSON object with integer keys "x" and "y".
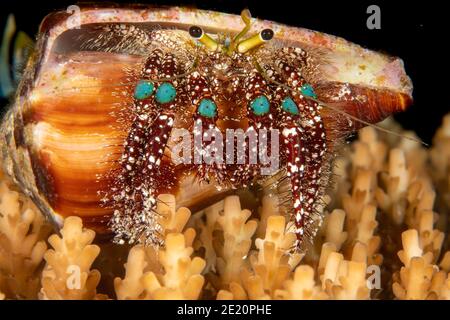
{"x": 198, "y": 34}
{"x": 246, "y": 16}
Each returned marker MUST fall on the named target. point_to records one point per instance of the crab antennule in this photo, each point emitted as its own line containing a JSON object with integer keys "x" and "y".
{"x": 246, "y": 17}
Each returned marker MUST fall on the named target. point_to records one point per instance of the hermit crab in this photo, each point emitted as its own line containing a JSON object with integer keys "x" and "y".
{"x": 92, "y": 130}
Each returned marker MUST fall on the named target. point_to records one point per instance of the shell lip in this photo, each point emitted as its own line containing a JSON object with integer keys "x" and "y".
{"x": 53, "y": 19}
{"x": 344, "y": 58}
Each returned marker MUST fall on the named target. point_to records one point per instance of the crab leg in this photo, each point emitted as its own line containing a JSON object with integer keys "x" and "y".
{"x": 134, "y": 144}
{"x": 205, "y": 118}
{"x": 305, "y": 143}
{"x": 260, "y": 114}
{"x": 145, "y": 172}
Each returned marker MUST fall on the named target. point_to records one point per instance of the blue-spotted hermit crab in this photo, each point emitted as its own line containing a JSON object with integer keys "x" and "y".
{"x": 89, "y": 132}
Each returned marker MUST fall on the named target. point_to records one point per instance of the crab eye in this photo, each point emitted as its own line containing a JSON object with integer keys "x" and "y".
{"x": 308, "y": 91}
{"x": 143, "y": 90}
{"x": 289, "y": 106}
{"x": 260, "y": 105}
{"x": 195, "y": 32}
{"x": 165, "y": 93}
{"x": 207, "y": 108}
{"x": 266, "y": 34}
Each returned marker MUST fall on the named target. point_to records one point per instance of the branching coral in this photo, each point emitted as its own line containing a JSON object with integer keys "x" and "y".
{"x": 179, "y": 275}
{"x": 181, "y": 278}
{"x": 270, "y": 264}
{"x": 419, "y": 278}
{"x": 237, "y": 235}
{"x": 383, "y": 236}
{"x": 22, "y": 244}
{"x": 67, "y": 274}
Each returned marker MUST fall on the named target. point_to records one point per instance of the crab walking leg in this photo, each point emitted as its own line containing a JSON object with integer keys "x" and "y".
{"x": 315, "y": 147}
{"x": 207, "y": 154}
{"x": 155, "y": 174}
{"x": 306, "y": 146}
{"x": 143, "y": 104}
{"x": 126, "y": 196}
{"x": 295, "y": 163}
{"x": 132, "y": 155}
{"x": 136, "y": 220}
{"x": 157, "y": 138}
{"x": 260, "y": 114}
{"x": 293, "y": 152}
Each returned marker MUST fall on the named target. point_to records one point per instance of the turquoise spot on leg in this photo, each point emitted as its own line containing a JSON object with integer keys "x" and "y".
{"x": 207, "y": 108}
{"x": 143, "y": 90}
{"x": 165, "y": 93}
{"x": 308, "y": 91}
{"x": 289, "y": 105}
{"x": 260, "y": 105}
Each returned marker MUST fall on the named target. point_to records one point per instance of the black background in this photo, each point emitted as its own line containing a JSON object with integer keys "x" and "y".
{"x": 415, "y": 31}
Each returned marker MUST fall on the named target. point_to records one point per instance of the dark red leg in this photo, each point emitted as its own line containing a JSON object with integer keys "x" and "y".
{"x": 260, "y": 115}
{"x": 144, "y": 172}
{"x": 208, "y": 156}
{"x": 305, "y": 142}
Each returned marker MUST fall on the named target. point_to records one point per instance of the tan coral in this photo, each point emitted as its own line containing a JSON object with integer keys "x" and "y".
{"x": 369, "y": 151}
{"x": 206, "y": 230}
{"x": 302, "y": 287}
{"x": 269, "y": 207}
{"x": 344, "y": 279}
{"x": 392, "y": 200}
{"x": 181, "y": 279}
{"x": 271, "y": 262}
{"x": 334, "y": 228}
{"x": 440, "y": 172}
{"x": 237, "y": 233}
{"x": 419, "y": 278}
{"x": 271, "y": 265}
{"x": 172, "y": 220}
{"x": 68, "y": 274}
{"x": 168, "y": 273}
{"x": 22, "y": 244}
{"x": 362, "y": 194}
{"x": 415, "y": 280}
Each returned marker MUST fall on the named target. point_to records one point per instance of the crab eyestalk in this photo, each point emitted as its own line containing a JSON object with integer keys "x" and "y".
{"x": 255, "y": 41}
{"x": 198, "y": 34}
